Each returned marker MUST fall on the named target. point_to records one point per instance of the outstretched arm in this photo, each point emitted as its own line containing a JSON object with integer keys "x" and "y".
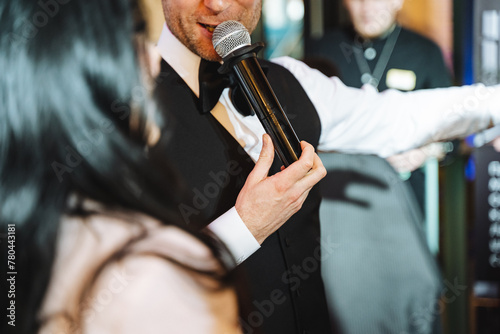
{"x": 364, "y": 121}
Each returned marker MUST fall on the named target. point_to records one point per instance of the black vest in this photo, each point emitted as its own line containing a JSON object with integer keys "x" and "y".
{"x": 286, "y": 290}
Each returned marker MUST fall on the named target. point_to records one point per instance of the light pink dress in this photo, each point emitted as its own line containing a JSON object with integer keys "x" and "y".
{"x": 138, "y": 291}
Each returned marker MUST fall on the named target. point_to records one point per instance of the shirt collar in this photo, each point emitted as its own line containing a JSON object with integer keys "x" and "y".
{"x": 182, "y": 60}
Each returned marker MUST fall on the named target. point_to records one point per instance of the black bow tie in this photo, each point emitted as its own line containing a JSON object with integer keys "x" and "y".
{"x": 212, "y": 83}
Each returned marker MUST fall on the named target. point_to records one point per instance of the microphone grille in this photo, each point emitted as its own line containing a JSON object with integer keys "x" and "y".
{"x": 229, "y": 36}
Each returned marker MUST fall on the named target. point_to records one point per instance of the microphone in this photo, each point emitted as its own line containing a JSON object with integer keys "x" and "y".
{"x": 231, "y": 41}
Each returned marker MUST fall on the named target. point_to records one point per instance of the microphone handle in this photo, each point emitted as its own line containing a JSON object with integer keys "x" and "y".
{"x": 261, "y": 97}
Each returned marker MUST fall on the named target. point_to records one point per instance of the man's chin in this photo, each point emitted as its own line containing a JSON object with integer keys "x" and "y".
{"x": 203, "y": 48}
{"x": 210, "y": 55}
{"x": 369, "y": 34}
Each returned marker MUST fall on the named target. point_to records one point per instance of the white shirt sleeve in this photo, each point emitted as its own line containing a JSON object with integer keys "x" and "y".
{"x": 365, "y": 121}
{"x": 368, "y": 122}
{"x": 231, "y": 230}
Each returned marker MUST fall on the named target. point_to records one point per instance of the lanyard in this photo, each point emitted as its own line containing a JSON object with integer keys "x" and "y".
{"x": 367, "y": 76}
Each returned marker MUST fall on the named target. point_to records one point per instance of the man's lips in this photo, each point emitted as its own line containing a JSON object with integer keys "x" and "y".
{"x": 210, "y": 27}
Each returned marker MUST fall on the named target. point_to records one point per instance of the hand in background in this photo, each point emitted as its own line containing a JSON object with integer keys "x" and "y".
{"x": 267, "y": 202}
{"x": 496, "y": 143}
{"x": 414, "y": 159}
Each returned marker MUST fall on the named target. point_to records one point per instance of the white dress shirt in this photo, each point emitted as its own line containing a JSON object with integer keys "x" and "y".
{"x": 352, "y": 120}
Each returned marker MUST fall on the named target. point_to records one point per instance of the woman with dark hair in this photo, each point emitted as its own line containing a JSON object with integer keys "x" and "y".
{"x": 91, "y": 236}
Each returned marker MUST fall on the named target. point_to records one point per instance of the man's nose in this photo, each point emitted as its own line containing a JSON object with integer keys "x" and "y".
{"x": 217, "y": 6}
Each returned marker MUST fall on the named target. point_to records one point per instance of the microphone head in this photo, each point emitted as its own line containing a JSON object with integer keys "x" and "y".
{"x": 229, "y": 36}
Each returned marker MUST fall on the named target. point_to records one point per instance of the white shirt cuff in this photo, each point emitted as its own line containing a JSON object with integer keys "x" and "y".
{"x": 231, "y": 230}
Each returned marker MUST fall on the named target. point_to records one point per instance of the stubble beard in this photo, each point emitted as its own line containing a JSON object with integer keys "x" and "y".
{"x": 186, "y": 33}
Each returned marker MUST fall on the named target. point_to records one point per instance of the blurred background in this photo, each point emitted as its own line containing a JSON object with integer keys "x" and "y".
{"x": 463, "y": 227}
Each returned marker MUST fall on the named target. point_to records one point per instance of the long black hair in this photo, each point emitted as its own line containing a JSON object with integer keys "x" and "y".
{"x": 70, "y": 81}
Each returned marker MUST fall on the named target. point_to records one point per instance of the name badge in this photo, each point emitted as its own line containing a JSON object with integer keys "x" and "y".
{"x": 401, "y": 79}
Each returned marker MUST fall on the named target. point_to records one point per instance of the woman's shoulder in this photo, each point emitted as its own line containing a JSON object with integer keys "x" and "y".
{"x": 145, "y": 293}
{"x": 116, "y": 235}
{"x": 108, "y": 230}
{"x": 112, "y": 268}
{"x": 167, "y": 281}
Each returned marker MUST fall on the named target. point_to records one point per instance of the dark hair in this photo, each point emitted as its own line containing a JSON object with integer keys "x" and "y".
{"x": 70, "y": 81}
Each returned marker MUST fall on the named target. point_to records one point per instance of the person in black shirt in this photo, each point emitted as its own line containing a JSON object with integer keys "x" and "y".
{"x": 364, "y": 196}
{"x": 376, "y": 50}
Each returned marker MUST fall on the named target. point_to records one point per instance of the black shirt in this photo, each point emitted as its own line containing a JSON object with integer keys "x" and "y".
{"x": 412, "y": 52}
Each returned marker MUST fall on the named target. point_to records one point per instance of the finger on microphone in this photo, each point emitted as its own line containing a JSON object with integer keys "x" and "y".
{"x": 312, "y": 165}
{"x": 307, "y": 156}
{"x": 301, "y": 168}
{"x": 265, "y": 161}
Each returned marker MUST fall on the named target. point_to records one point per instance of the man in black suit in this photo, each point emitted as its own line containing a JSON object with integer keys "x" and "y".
{"x": 230, "y": 180}
{"x": 269, "y": 218}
